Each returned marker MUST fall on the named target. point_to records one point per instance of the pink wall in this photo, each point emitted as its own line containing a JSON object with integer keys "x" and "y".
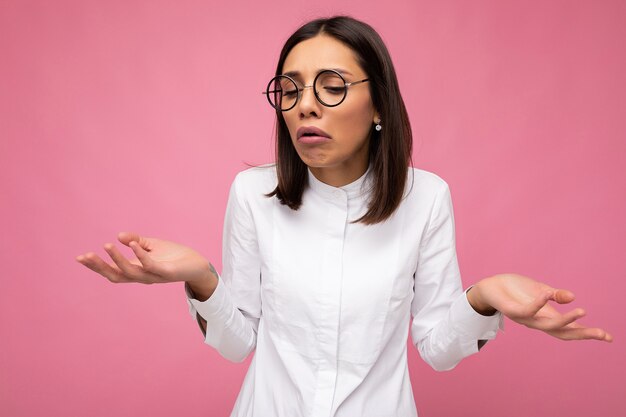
{"x": 130, "y": 115}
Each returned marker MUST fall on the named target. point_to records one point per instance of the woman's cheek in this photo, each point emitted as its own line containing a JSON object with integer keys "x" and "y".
{"x": 358, "y": 127}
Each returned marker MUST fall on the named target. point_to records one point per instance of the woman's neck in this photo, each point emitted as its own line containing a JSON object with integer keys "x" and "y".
{"x": 338, "y": 176}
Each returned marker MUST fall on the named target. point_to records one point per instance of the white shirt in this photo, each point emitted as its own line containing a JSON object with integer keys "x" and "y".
{"x": 327, "y": 303}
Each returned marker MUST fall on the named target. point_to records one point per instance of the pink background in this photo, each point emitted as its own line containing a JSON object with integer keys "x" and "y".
{"x": 129, "y": 115}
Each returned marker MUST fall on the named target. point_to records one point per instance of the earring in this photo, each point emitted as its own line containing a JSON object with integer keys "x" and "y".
{"x": 378, "y": 126}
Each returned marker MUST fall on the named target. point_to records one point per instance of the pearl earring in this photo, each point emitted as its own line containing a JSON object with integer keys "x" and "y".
{"x": 378, "y": 127}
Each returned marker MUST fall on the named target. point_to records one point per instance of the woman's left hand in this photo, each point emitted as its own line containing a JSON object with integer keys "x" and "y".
{"x": 525, "y": 301}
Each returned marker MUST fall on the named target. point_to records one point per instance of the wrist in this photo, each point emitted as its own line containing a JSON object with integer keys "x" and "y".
{"x": 204, "y": 285}
{"x": 476, "y": 301}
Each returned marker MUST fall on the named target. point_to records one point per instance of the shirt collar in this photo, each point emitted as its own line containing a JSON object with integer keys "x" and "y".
{"x": 357, "y": 188}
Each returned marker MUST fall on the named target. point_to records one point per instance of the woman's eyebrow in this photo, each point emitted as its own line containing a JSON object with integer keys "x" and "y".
{"x": 339, "y": 70}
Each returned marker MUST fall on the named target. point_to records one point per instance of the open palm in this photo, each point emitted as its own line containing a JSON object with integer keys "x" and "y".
{"x": 525, "y": 301}
{"x": 157, "y": 261}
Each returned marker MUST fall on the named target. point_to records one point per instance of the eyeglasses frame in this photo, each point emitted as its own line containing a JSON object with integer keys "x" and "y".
{"x": 267, "y": 91}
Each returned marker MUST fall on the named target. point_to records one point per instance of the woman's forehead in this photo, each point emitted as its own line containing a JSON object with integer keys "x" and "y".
{"x": 297, "y": 74}
{"x": 321, "y": 52}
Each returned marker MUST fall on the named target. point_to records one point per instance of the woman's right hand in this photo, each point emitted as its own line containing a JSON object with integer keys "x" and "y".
{"x": 158, "y": 261}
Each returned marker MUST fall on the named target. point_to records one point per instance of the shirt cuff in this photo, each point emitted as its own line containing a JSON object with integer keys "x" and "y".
{"x": 211, "y": 307}
{"x": 471, "y": 324}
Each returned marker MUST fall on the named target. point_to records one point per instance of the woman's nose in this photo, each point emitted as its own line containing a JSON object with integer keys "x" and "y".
{"x": 308, "y": 101}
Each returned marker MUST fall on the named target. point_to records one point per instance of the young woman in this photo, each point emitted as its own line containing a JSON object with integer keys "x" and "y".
{"x": 332, "y": 250}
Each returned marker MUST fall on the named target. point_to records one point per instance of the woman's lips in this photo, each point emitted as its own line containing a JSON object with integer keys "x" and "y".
{"x": 311, "y": 135}
{"x": 313, "y": 140}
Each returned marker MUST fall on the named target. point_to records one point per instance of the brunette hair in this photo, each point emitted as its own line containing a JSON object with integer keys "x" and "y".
{"x": 389, "y": 149}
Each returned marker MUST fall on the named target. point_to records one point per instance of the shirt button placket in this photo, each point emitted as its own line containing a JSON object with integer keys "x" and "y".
{"x": 329, "y": 294}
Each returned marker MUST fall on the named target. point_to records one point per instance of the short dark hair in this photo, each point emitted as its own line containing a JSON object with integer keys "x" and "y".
{"x": 389, "y": 149}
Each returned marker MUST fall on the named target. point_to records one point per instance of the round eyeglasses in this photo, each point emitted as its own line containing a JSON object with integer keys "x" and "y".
{"x": 330, "y": 89}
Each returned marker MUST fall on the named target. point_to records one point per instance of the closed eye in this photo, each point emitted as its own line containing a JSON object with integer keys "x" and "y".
{"x": 335, "y": 90}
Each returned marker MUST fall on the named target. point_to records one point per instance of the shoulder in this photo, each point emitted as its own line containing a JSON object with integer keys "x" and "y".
{"x": 422, "y": 183}
{"x": 254, "y": 182}
{"x": 426, "y": 193}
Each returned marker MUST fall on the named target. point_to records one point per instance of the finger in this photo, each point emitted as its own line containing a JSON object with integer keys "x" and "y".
{"x": 144, "y": 257}
{"x": 571, "y": 317}
{"x": 153, "y": 272}
{"x": 96, "y": 264}
{"x": 132, "y": 271}
{"x": 127, "y": 237}
{"x": 578, "y": 332}
{"x": 562, "y": 296}
{"x": 554, "y": 320}
{"x": 607, "y": 336}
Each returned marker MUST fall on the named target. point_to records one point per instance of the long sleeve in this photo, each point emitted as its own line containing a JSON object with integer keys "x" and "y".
{"x": 233, "y": 311}
{"x": 445, "y": 328}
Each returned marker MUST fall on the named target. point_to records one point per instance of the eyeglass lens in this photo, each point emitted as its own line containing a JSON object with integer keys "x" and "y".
{"x": 329, "y": 88}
